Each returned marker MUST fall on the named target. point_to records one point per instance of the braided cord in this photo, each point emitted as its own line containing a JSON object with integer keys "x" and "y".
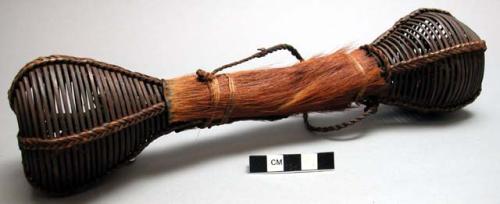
{"x": 369, "y": 110}
{"x": 33, "y": 143}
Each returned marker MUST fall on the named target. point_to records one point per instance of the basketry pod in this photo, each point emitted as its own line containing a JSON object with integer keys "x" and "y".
{"x": 434, "y": 62}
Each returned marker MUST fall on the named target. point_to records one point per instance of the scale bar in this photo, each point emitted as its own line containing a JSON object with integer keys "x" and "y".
{"x": 291, "y": 162}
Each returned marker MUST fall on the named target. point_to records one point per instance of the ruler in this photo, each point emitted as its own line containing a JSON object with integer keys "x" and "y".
{"x": 291, "y": 162}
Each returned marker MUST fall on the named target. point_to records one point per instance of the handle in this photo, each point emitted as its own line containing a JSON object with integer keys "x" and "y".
{"x": 323, "y": 83}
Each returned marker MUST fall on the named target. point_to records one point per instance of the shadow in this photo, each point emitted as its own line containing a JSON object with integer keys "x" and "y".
{"x": 284, "y": 132}
{"x": 391, "y": 117}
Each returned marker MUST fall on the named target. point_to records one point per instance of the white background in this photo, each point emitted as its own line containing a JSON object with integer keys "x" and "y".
{"x": 394, "y": 157}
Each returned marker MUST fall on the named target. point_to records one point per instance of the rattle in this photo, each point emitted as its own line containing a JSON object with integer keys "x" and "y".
{"x": 80, "y": 118}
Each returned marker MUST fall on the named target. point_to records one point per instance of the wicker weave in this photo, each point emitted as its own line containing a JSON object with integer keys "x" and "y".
{"x": 433, "y": 62}
{"x": 61, "y": 101}
{"x": 79, "y": 118}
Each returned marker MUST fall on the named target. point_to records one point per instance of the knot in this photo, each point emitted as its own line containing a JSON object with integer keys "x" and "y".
{"x": 204, "y": 76}
{"x": 213, "y": 86}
